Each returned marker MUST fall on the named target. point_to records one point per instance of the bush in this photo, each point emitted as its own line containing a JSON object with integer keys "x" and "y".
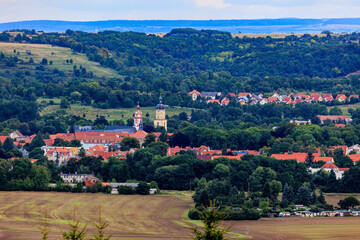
{"x": 143, "y": 188}
{"x": 125, "y": 190}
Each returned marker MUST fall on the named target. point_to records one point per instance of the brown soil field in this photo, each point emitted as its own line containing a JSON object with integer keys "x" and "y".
{"x": 130, "y": 217}
{"x": 300, "y": 228}
{"x": 146, "y": 217}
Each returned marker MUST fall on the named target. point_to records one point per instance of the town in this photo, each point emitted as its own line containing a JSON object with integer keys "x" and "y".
{"x": 292, "y": 98}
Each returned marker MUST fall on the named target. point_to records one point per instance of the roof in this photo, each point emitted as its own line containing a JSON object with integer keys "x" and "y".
{"x": 329, "y": 165}
{"x": 244, "y": 94}
{"x": 300, "y": 157}
{"x": 2, "y": 138}
{"x": 354, "y": 157}
{"x": 213, "y": 101}
{"x": 194, "y": 91}
{"x": 139, "y": 134}
{"x": 209, "y": 94}
{"x": 354, "y": 96}
{"x": 232, "y": 94}
{"x": 325, "y": 159}
{"x": 333, "y": 117}
{"x": 340, "y": 96}
{"x": 272, "y": 99}
{"x": 286, "y": 99}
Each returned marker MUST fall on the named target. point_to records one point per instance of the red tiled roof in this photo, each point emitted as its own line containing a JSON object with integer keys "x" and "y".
{"x": 213, "y": 101}
{"x": 315, "y": 96}
{"x": 63, "y": 136}
{"x": 354, "y": 96}
{"x": 328, "y": 97}
{"x": 325, "y": 159}
{"x": 344, "y": 169}
{"x": 2, "y": 138}
{"x": 286, "y": 99}
{"x": 354, "y": 157}
{"x": 194, "y": 91}
{"x": 329, "y": 165}
{"x": 232, "y": 94}
{"x": 139, "y": 134}
{"x": 333, "y": 117}
{"x": 244, "y": 94}
{"x": 341, "y": 96}
{"x": 300, "y": 157}
{"x": 272, "y": 99}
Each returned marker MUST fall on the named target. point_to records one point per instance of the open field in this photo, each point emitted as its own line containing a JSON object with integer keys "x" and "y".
{"x": 334, "y": 198}
{"x": 345, "y": 108}
{"x": 300, "y": 228}
{"x": 110, "y": 114}
{"x": 273, "y": 35}
{"x": 130, "y": 217}
{"x": 147, "y": 217}
{"x": 58, "y": 55}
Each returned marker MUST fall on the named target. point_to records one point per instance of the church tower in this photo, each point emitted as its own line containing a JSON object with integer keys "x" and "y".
{"x": 138, "y": 118}
{"x": 160, "y": 120}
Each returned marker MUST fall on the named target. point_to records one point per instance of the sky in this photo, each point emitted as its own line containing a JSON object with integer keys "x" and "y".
{"x": 92, "y": 10}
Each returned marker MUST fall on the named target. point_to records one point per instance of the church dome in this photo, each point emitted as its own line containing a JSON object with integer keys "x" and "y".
{"x": 160, "y": 106}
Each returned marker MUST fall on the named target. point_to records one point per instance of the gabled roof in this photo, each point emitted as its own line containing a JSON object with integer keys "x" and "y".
{"x": 245, "y": 94}
{"x": 272, "y": 99}
{"x": 194, "y": 91}
{"x": 329, "y": 165}
{"x": 139, "y": 134}
{"x": 354, "y": 96}
{"x": 232, "y": 94}
{"x": 341, "y": 96}
{"x": 286, "y": 99}
{"x": 213, "y": 101}
{"x": 2, "y": 138}
{"x": 209, "y": 94}
{"x": 354, "y": 157}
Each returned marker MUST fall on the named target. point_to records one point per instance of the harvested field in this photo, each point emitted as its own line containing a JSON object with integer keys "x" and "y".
{"x": 147, "y": 217}
{"x": 301, "y": 228}
{"x": 130, "y": 217}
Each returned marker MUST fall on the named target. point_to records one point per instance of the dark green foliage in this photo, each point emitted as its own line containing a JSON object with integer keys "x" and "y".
{"x": 303, "y": 196}
{"x": 143, "y": 188}
{"x": 125, "y": 190}
{"x": 349, "y": 202}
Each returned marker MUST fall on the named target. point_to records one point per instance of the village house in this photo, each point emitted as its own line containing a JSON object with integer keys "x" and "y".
{"x": 329, "y": 166}
{"x": 334, "y": 118}
{"x": 341, "y": 97}
{"x": 74, "y": 178}
{"x": 61, "y": 155}
{"x": 194, "y": 94}
{"x": 211, "y": 95}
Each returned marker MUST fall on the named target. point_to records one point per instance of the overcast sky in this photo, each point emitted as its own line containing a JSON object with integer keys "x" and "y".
{"x": 85, "y": 10}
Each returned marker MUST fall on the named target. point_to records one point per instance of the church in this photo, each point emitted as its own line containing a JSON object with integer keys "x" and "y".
{"x": 160, "y": 117}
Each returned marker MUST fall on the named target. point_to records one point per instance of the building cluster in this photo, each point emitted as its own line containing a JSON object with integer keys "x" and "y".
{"x": 302, "y": 211}
{"x": 249, "y": 98}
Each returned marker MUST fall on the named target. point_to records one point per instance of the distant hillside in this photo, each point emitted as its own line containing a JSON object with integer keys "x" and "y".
{"x": 286, "y": 25}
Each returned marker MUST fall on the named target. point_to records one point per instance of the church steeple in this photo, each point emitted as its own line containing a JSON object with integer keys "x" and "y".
{"x": 160, "y": 120}
{"x": 138, "y": 118}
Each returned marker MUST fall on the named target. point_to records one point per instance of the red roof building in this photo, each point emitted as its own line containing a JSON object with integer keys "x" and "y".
{"x": 341, "y": 97}
{"x": 334, "y": 118}
{"x": 328, "y": 97}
